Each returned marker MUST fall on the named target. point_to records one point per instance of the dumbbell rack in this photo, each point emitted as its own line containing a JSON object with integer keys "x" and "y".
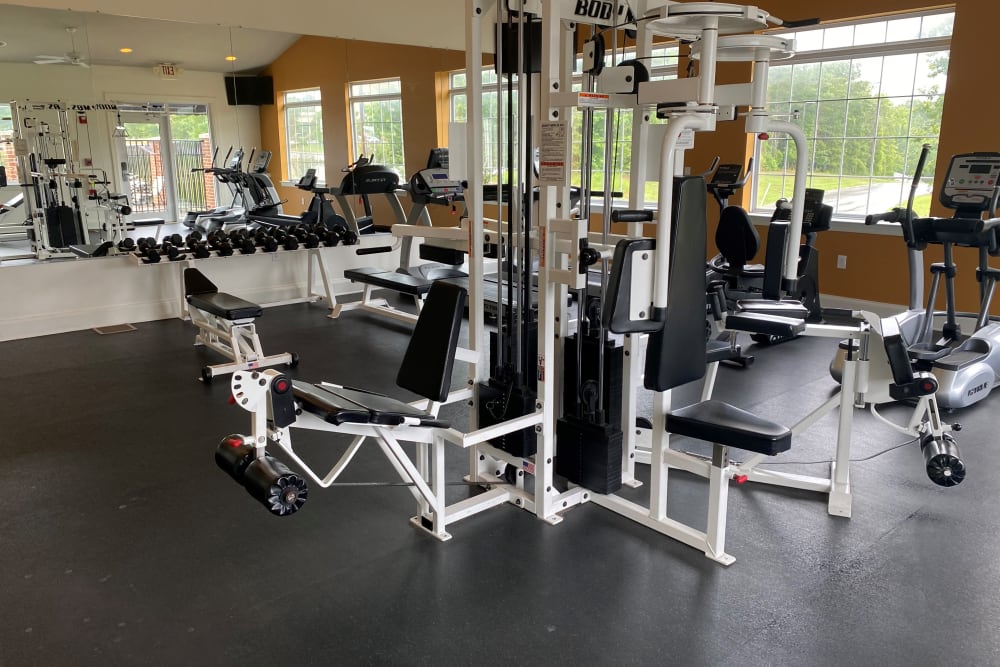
{"x": 315, "y": 266}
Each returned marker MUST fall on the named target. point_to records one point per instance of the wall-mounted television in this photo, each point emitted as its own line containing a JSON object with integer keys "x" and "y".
{"x": 254, "y": 90}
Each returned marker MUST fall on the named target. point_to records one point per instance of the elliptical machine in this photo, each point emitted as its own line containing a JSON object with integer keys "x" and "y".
{"x": 967, "y": 370}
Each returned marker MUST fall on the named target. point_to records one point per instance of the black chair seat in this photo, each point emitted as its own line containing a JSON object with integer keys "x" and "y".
{"x": 724, "y": 424}
{"x": 437, "y": 272}
{"x": 767, "y": 325}
{"x": 340, "y": 405}
{"x": 226, "y": 306}
{"x": 399, "y": 282}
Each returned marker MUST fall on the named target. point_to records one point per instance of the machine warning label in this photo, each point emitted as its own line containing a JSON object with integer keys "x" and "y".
{"x": 553, "y": 154}
{"x": 598, "y": 100}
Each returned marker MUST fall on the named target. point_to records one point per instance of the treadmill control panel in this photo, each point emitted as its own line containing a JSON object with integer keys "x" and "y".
{"x": 435, "y": 183}
{"x": 971, "y": 181}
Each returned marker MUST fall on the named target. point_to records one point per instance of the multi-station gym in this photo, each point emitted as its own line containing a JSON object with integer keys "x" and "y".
{"x": 587, "y": 332}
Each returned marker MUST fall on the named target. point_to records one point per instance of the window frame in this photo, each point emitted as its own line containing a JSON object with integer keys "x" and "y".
{"x": 7, "y": 147}
{"x": 354, "y": 98}
{"x": 287, "y": 106}
{"x": 850, "y": 54}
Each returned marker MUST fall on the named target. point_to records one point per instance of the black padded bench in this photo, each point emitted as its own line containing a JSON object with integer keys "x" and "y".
{"x": 204, "y": 295}
{"x": 390, "y": 279}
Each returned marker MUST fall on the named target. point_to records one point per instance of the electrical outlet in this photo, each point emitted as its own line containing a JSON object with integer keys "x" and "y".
{"x": 841, "y": 261}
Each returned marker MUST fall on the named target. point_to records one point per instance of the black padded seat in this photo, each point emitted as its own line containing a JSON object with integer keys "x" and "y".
{"x": 399, "y": 282}
{"x": 437, "y": 272}
{"x": 794, "y": 309}
{"x": 226, "y": 306}
{"x": 341, "y": 405}
{"x": 727, "y": 425}
{"x": 768, "y": 325}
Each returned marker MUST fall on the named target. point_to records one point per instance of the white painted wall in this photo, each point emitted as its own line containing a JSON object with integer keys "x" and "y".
{"x": 71, "y": 295}
{"x": 238, "y": 126}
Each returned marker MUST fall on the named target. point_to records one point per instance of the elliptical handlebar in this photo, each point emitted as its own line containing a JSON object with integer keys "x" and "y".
{"x": 362, "y": 161}
{"x": 715, "y": 164}
{"x": 907, "y": 215}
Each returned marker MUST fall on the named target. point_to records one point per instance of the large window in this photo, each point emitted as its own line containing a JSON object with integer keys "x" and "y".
{"x": 6, "y": 147}
{"x": 377, "y": 122}
{"x": 304, "y": 133}
{"x": 493, "y": 159}
{"x": 868, "y": 94}
{"x": 662, "y": 64}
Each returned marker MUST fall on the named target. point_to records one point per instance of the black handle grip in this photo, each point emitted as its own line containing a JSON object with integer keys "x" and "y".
{"x": 373, "y": 250}
{"x": 924, "y": 150}
{"x": 625, "y": 215}
{"x": 891, "y": 216}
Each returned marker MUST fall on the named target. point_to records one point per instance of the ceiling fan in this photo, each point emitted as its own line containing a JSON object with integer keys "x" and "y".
{"x": 73, "y": 57}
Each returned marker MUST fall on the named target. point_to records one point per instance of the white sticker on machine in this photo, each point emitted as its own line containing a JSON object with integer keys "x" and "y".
{"x": 553, "y": 155}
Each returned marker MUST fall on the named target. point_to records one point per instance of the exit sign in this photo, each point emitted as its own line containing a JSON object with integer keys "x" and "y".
{"x": 167, "y": 70}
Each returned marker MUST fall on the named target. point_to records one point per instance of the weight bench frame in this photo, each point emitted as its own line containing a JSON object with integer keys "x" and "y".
{"x": 235, "y": 339}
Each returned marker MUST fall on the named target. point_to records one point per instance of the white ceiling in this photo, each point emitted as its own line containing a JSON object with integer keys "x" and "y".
{"x": 437, "y": 23}
{"x": 30, "y": 32}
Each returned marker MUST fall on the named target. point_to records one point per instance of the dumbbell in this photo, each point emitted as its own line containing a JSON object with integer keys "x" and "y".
{"x": 306, "y": 236}
{"x": 246, "y": 244}
{"x": 144, "y": 244}
{"x": 266, "y": 242}
{"x": 215, "y": 238}
{"x": 326, "y": 236}
{"x": 224, "y": 248}
{"x": 175, "y": 240}
{"x": 172, "y": 252}
{"x": 200, "y": 250}
{"x": 290, "y": 242}
{"x": 127, "y": 244}
{"x": 193, "y": 239}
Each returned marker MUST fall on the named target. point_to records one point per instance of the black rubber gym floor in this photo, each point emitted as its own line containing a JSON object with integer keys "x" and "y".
{"x": 122, "y": 543}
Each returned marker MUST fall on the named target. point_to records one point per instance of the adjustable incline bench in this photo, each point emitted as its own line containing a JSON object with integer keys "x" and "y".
{"x": 225, "y": 324}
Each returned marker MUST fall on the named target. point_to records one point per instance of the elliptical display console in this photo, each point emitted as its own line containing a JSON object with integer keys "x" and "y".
{"x": 971, "y": 182}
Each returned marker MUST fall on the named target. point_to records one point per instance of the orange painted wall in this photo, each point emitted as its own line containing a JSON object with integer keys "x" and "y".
{"x": 330, "y": 64}
{"x": 876, "y": 265}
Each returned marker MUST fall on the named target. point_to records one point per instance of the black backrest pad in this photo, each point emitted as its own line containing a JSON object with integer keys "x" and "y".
{"x": 774, "y": 260}
{"x": 430, "y": 356}
{"x": 736, "y": 237}
{"x": 195, "y": 282}
{"x": 676, "y": 354}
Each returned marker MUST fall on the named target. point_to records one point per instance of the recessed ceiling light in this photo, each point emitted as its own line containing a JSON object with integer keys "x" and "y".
{"x": 231, "y": 58}
{"x": 125, "y": 49}
{"x": 3, "y": 44}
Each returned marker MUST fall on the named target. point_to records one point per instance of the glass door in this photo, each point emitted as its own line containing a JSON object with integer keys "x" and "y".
{"x": 162, "y": 156}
